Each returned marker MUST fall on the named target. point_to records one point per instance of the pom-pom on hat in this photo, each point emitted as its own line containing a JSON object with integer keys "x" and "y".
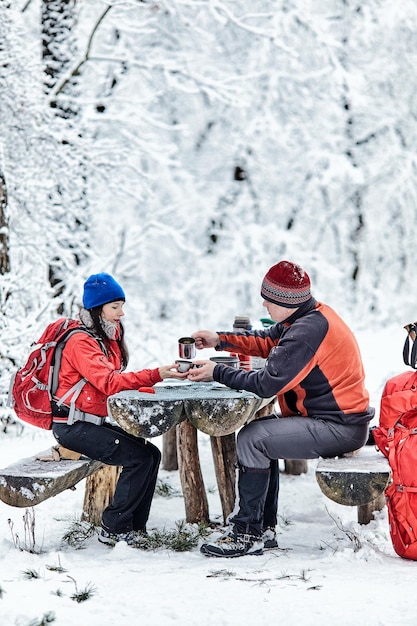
{"x": 286, "y": 284}
{"x": 100, "y": 289}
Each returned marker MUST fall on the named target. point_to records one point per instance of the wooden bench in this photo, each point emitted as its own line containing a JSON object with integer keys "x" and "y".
{"x": 32, "y": 480}
{"x": 356, "y": 480}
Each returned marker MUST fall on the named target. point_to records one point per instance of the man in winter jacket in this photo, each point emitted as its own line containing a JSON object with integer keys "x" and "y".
{"x": 314, "y": 368}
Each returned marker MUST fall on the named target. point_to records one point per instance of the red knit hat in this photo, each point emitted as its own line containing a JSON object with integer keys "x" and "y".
{"x": 286, "y": 284}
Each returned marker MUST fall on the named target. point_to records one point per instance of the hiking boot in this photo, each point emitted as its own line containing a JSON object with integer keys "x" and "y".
{"x": 133, "y": 538}
{"x": 232, "y": 545}
{"x": 269, "y": 537}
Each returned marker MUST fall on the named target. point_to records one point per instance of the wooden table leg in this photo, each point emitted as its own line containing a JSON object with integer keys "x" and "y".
{"x": 195, "y": 498}
{"x": 169, "y": 450}
{"x": 224, "y": 459}
{"x": 366, "y": 511}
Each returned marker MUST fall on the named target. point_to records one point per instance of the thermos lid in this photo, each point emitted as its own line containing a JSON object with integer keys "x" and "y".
{"x": 242, "y": 321}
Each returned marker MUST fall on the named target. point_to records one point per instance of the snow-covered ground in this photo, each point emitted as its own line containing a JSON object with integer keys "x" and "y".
{"x": 328, "y": 569}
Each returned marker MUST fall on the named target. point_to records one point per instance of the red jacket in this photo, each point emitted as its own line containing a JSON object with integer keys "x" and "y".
{"x": 82, "y": 357}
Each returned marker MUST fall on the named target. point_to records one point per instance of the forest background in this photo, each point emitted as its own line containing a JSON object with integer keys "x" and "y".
{"x": 185, "y": 146}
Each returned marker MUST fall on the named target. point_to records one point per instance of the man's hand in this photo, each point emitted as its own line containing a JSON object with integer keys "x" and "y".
{"x": 203, "y": 373}
{"x": 206, "y": 339}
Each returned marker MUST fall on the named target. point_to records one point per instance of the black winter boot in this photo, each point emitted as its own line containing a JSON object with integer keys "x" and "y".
{"x": 269, "y": 534}
{"x": 252, "y": 489}
{"x": 271, "y": 500}
{"x": 246, "y": 535}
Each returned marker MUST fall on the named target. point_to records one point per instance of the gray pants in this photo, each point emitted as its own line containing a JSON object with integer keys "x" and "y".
{"x": 262, "y": 442}
{"x": 296, "y": 438}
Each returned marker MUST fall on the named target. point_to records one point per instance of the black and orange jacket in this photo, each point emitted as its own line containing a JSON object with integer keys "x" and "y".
{"x": 313, "y": 366}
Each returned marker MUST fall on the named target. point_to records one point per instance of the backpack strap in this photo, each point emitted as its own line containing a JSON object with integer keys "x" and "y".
{"x": 410, "y": 345}
{"x": 53, "y": 383}
{"x": 76, "y": 390}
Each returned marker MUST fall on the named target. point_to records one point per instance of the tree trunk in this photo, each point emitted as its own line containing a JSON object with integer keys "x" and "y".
{"x": 224, "y": 459}
{"x": 4, "y": 224}
{"x": 195, "y": 498}
{"x": 99, "y": 490}
{"x": 295, "y": 467}
{"x": 59, "y": 52}
{"x": 59, "y": 48}
{"x": 169, "y": 450}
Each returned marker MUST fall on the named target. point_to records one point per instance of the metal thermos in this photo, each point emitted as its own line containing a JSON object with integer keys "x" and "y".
{"x": 242, "y": 322}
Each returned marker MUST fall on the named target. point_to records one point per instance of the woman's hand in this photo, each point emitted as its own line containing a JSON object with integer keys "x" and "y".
{"x": 203, "y": 372}
{"x": 171, "y": 371}
{"x": 206, "y": 339}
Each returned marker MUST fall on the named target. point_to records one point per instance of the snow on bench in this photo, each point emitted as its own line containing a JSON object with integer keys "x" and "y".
{"x": 37, "y": 478}
{"x": 356, "y": 480}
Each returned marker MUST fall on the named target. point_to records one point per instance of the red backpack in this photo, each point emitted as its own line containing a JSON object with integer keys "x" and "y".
{"x": 396, "y": 438}
{"x": 33, "y": 386}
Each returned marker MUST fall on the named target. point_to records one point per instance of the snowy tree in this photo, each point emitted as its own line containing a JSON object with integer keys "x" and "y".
{"x": 218, "y": 139}
{"x": 33, "y": 160}
{"x": 221, "y": 139}
{"x": 4, "y": 223}
{"x": 59, "y": 55}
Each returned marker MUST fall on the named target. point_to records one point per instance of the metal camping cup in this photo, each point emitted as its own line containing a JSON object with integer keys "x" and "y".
{"x": 186, "y": 347}
{"x": 184, "y": 365}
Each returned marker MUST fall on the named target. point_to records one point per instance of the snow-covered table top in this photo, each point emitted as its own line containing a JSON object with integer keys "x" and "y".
{"x": 212, "y": 408}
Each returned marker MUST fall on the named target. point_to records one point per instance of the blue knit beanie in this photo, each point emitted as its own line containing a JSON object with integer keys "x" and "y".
{"x": 100, "y": 289}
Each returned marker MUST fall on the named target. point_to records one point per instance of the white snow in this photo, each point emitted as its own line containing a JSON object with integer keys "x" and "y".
{"x": 328, "y": 568}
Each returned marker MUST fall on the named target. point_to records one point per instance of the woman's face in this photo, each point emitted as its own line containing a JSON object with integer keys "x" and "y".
{"x": 113, "y": 311}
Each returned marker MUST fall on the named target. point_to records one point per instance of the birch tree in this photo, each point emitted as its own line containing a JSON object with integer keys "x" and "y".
{"x": 232, "y": 138}
{"x": 221, "y": 139}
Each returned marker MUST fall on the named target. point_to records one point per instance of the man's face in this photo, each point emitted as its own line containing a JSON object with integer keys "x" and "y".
{"x": 276, "y": 312}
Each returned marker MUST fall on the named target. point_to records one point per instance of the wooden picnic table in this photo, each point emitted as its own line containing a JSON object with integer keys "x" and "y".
{"x": 212, "y": 408}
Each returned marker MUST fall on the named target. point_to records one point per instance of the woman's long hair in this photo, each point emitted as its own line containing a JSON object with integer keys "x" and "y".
{"x": 98, "y": 328}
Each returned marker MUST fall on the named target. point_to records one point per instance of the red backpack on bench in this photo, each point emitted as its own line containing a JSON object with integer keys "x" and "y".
{"x": 396, "y": 438}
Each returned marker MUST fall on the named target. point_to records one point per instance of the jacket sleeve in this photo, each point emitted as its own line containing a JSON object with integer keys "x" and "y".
{"x": 250, "y": 342}
{"x": 84, "y": 355}
{"x": 288, "y": 363}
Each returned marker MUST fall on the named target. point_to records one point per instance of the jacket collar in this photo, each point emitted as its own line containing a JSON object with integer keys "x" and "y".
{"x": 302, "y": 310}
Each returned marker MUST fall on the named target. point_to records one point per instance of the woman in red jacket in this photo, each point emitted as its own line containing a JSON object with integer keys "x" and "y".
{"x": 99, "y": 357}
